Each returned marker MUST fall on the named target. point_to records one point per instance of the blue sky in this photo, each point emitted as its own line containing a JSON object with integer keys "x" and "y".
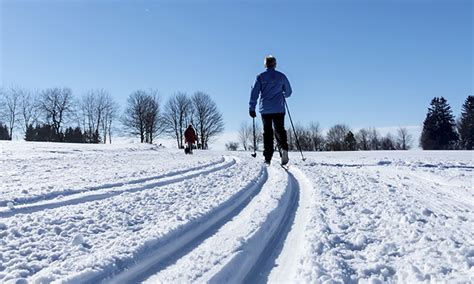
{"x": 364, "y": 63}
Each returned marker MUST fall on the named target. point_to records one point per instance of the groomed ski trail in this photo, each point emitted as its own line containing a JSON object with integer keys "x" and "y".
{"x": 118, "y": 232}
{"x": 168, "y": 249}
{"x": 20, "y": 201}
{"x": 292, "y": 255}
{"x": 264, "y": 242}
{"x": 103, "y": 192}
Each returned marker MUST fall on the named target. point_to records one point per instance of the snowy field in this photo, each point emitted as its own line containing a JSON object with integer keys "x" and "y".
{"x": 139, "y": 213}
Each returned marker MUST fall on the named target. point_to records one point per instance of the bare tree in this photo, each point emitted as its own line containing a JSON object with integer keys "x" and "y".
{"x": 91, "y": 109}
{"x": 304, "y": 138}
{"x": 110, "y": 114}
{"x": 291, "y": 141}
{"x": 177, "y": 116}
{"x": 4, "y": 135}
{"x": 362, "y": 138}
{"x": 317, "y": 139}
{"x": 56, "y": 104}
{"x": 134, "y": 117}
{"x": 142, "y": 115}
{"x": 246, "y": 131}
{"x": 208, "y": 119}
{"x": 258, "y": 136}
{"x": 374, "y": 139}
{"x": 10, "y": 100}
{"x": 335, "y": 138}
{"x": 97, "y": 110}
{"x": 153, "y": 125}
{"x": 171, "y": 120}
{"x": 232, "y": 146}
{"x": 245, "y": 135}
{"x": 310, "y": 137}
{"x": 404, "y": 139}
{"x": 29, "y": 108}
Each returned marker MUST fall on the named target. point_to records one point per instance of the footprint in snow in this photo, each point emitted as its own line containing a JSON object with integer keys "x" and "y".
{"x": 462, "y": 218}
{"x": 373, "y": 180}
{"x": 427, "y": 212}
{"x": 367, "y": 211}
{"x": 343, "y": 226}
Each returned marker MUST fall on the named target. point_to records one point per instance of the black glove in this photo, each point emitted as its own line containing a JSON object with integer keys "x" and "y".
{"x": 252, "y": 113}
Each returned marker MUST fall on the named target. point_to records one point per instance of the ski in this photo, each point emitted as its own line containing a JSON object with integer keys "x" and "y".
{"x": 285, "y": 167}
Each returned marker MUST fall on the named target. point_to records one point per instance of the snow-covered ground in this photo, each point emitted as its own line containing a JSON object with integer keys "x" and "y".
{"x": 134, "y": 213}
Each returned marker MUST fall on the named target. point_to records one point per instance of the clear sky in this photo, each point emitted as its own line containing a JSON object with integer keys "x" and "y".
{"x": 364, "y": 63}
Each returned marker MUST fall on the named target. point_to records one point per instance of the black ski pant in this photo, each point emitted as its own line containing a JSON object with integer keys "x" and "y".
{"x": 273, "y": 123}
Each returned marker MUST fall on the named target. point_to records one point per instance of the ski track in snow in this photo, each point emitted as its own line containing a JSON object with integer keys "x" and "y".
{"x": 168, "y": 251}
{"x": 155, "y": 215}
{"x": 247, "y": 241}
{"x": 110, "y": 191}
{"x": 67, "y": 192}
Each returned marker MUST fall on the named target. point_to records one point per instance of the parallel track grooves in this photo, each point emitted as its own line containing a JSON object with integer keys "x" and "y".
{"x": 31, "y": 208}
{"x": 63, "y": 193}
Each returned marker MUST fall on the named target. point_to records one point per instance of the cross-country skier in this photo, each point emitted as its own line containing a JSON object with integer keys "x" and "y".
{"x": 272, "y": 87}
{"x": 189, "y": 138}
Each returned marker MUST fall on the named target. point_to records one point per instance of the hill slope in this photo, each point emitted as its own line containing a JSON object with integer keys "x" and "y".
{"x": 131, "y": 213}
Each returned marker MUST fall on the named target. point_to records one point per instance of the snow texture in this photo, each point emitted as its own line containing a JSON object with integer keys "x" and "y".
{"x": 139, "y": 213}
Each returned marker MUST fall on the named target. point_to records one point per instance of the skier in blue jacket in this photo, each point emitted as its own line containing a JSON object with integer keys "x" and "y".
{"x": 272, "y": 87}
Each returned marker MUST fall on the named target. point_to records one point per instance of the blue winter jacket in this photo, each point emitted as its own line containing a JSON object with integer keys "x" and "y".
{"x": 271, "y": 85}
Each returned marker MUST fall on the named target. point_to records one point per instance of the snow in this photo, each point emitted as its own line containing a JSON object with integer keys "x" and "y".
{"x": 398, "y": 221}
{"x": 133, "y": 213}
{"x": 77, "y": 240}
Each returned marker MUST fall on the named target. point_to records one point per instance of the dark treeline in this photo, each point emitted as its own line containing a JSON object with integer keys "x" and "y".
{"x": 46, "y": 132}
{"x": 55, "y": 115}
{"x": 440, "y": 132}
{"x": 338, "y": 138}
{"x": 341, "y": 138}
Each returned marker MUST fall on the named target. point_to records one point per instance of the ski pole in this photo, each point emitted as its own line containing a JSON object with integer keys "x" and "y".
{"x": 294, "y": 131}
{"x": 254, "y": 140}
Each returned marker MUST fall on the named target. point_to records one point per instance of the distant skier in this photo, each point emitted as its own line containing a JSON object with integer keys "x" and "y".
{"x": 272, "y": 87}
{"x": 189, "y": 139}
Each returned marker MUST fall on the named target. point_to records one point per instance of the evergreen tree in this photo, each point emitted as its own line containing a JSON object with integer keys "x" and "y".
{"x": 79, "y": 136}
{"x": 466, "y": 124}
{"x": 350, "y": 142}
{"x": 439, "y": 127}
{"x": 74, "y": 135}
{"x": 46, "y": 132}
{"x": 30, "y": 134}
{"x": 387, "y": 143}
{"x": 68, "y": 135}
{"x": 4, "y": 135}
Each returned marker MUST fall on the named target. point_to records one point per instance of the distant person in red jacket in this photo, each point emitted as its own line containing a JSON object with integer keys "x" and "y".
{"x": 189, "y": 138}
